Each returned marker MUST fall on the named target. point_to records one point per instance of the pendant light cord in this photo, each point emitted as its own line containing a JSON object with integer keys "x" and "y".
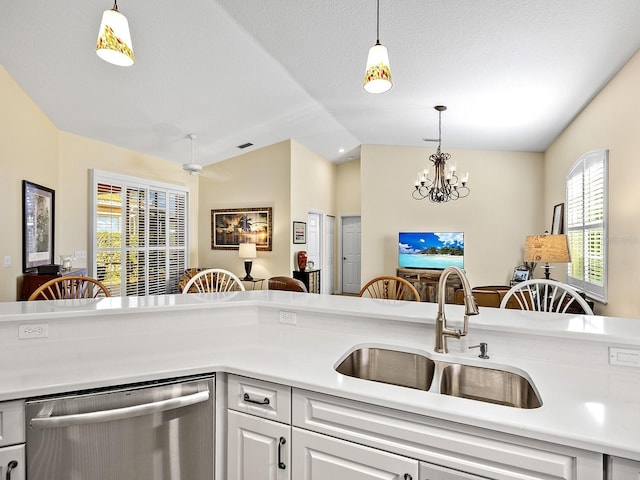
{"x": 378, "y": 24}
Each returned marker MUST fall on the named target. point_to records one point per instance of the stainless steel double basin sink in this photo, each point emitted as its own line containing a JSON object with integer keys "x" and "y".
{"x": 412, "y": 370}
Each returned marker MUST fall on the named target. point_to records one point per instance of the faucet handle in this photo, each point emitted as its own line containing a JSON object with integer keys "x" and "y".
{"x": 484, "y": 348}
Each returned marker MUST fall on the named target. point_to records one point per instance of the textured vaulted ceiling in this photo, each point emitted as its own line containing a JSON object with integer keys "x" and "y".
{"x": 513, "y": 73}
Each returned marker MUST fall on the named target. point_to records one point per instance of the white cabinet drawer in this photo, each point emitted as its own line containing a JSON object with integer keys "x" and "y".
{"x": 11, "y": 423}
{"x": 256, "y": 397}
{"x": 12, "y": 457}
{"x": 478, "y": 452}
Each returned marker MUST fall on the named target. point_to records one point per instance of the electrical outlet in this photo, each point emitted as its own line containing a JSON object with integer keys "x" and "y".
{"x": 288, "y": 317}
{"x": 80, "y": 254}
{"x": 624, "y": 356}
{"x": 40, "y": 330}
{"x": 7, "y": 261}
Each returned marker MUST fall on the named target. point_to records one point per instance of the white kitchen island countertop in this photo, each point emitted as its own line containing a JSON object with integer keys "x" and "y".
{"x": 587, "y": 403}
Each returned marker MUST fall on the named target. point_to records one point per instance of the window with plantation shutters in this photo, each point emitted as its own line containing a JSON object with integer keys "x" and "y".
{"x": 587, "y": 194}
{"x": 139, "y": 234}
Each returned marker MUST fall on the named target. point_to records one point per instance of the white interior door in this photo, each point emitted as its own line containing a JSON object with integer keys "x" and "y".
{"x": 314, "y": 241}
{"x": 351, "y": 255}
{"x": 329, "y": 256}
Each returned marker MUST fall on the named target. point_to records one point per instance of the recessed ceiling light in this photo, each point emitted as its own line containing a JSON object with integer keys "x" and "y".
{"x": 341, "y": 150}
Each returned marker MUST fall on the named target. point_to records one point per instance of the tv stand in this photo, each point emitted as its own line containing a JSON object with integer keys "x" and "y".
{"x": 426, "y": 282}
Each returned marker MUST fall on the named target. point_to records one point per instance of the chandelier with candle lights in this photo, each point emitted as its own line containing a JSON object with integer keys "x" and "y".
{"x": 445, "y": 184}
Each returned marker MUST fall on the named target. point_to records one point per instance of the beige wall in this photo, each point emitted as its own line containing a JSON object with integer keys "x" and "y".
{"x": 313, "y": 189}
{"x": 313, "y": 183}
{"x": 504, "y": 206}
{"x": 610, "y": 121}
{"x": 348, "y": 194}
{"x": 78, "y": 155}
{"x": 33, "y": 149}
{"x": 28, "y": 151}
{"x": 260, "y": 178}
{"x": 286, "y": 176}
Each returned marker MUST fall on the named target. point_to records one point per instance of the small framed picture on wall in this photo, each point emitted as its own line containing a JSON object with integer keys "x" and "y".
{"x": 299, "y": 232}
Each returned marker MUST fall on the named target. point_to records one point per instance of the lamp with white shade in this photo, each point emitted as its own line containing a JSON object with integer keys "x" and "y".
{"x": 248, "y": 252}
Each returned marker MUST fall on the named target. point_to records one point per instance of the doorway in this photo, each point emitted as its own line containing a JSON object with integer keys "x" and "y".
{"x": 314, "y": 243}
{"x": 330, "y": 256}
{"x": 350, "y": 248}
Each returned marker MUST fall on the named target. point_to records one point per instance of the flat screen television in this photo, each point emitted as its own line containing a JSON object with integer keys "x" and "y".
{"x": 432, "y": 250}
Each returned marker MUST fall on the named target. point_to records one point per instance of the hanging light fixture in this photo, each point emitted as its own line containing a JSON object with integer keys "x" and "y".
{"x": 193, "y": 168}
{"x": 377, "y": 77}
{"x": 445, "y": 184}
{"x": 114, "y": 39}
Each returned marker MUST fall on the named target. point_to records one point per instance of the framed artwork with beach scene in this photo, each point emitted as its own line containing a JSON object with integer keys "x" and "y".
{"x": 232, "y": 226}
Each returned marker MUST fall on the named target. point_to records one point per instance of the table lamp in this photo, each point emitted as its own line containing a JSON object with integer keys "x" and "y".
{"x": 247, "y": 251}
{"x": 547, "y": 249}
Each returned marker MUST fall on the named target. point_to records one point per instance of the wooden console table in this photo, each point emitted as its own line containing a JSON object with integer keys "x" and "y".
{"x": 31, "y": 281}
{"x": 426, "y": 282}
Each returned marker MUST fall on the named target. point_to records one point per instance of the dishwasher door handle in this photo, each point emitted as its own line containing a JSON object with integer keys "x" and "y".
{"x": 119, "y": 413}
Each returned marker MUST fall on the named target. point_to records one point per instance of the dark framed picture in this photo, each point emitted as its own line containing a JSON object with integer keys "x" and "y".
{"x": 232, "y": 226}
{"x": 557, "y": 224}
{"x": 299, "y": 232}
{"x": 38, "y": 216}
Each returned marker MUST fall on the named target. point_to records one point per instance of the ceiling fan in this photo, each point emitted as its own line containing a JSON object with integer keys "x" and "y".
{"x": 193, "y": 168}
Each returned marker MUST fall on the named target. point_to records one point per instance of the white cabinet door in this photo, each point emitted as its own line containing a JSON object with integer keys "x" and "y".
{"x": 257, "y": 449}
{"x": 623, "y": 469}
{"x": 12, "y": 463}
{"x": 319, "y": 457}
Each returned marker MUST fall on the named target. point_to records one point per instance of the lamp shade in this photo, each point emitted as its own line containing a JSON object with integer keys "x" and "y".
{"x": 114, "y": 39}
{"x": 547, "y": 249}
{"x": 247, "y": 250}
{"x": 377, "y": 78}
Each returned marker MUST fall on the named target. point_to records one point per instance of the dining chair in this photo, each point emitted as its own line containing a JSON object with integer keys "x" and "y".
{"x": 545, "y": 296}
{"x": 71, "y": 286}
{"x": 389, "y": 287}
{"x": 213, "y": 280}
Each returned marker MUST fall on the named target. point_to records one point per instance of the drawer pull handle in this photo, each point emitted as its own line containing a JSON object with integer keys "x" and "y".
{"x": 247, "y": 398}
{"x": 10, "y": 466}
{"x": 281, "y": 464}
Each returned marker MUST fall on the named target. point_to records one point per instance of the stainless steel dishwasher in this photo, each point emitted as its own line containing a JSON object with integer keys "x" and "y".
{"x": 157, "y": 431}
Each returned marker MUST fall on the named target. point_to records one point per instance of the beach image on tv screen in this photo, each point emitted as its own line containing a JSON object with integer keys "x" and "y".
{"x": 435, "y": 250}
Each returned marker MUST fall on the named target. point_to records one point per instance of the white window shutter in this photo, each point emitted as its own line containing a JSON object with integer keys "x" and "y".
{"x": 140, "y": 234}
{"x": 587, "y": 194}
